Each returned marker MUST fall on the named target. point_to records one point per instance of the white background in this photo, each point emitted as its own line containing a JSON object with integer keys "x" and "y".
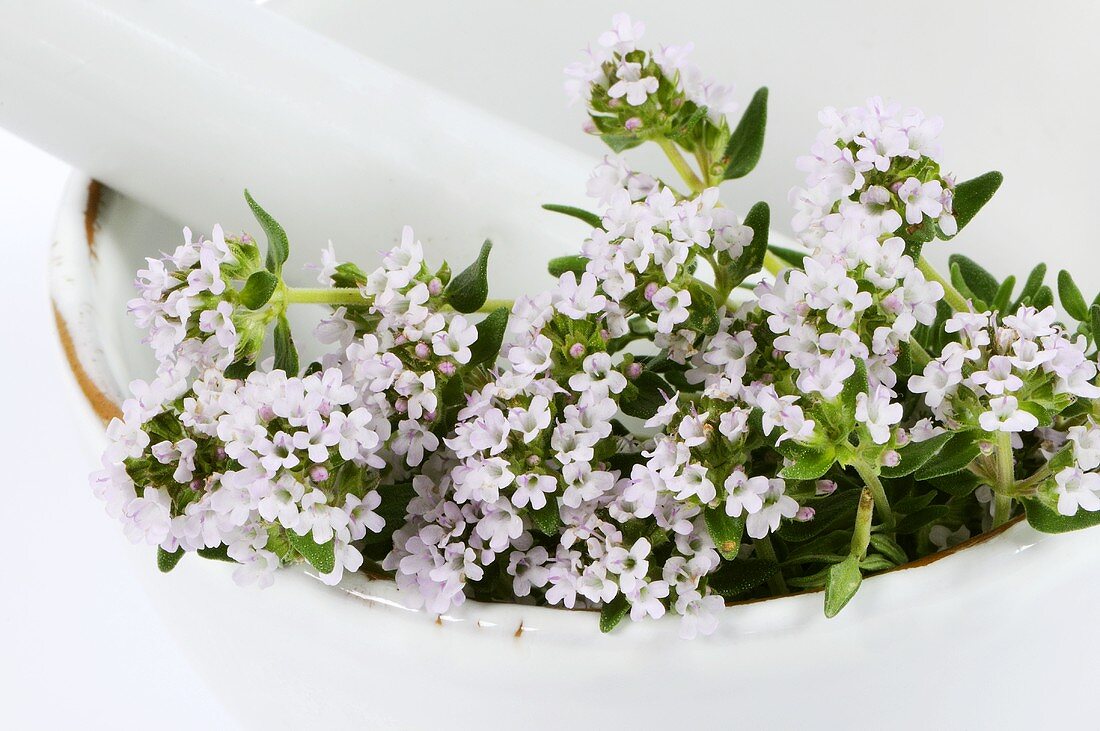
{"x": 78, "y": 640}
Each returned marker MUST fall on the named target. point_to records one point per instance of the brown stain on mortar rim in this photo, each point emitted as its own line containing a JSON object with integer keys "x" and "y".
{"x": 103, "y": 406}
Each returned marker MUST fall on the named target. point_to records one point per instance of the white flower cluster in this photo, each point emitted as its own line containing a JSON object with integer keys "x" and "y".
{"x": 610, "y": 442}
{"x": 618, "y": 76}
{"x": 1000, "y": 363}
{"x": 225, "y": 463}
{"x": 191, "y": 325}
{"x": 880, "y": 160}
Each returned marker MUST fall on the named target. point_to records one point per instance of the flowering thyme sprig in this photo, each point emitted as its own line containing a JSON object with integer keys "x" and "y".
{"x": 644, "y": 437}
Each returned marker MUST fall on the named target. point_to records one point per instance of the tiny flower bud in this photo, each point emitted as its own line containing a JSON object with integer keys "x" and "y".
{"x": 805, "y": 514}
{"x": 589, "y": 127}
{"x": 195, "y": 485}
{"x": 576, "y": 350}
{"x": 633, "y": 371}
{"x": 429, "y": 416}
{"x": 633, "y": 123}
{"x": 825, "y": 487}
{"x": 447, "y": 368}
{"x": 986, "y": 447}
{"x": 267, "y": 413}
{"x": 400, "y": 339}
{"x": 650, "y": 290}
{"x": 891, "y": 458}
{"x": 435, "y": 286}
{"x": 401, "y": 405}
{"x": 901, "y": 438}
{"x": 422, "y": 350}
{"x": 533, "y": 460}
{"x": 220, "y": 451}
{"x": 318, "y": 473}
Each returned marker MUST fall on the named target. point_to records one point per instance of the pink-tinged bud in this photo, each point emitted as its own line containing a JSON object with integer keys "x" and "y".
{"x": 447, "y": 368}
{"x": 614, "y": 103}
{"x": 633, "y": 371}
{"x": 605, "y": 335}
{"x": 247, "y": 238}
{"x": 901, "y": 437}
{"x": 422, "y": 350}
{"x": 632, "y": 124}
{"x": 401, "y": 406}
{"x": 650, "y": 290}
{"x": 429, "y": 416}
{"x": 318, "y": 473}
{"x": 267, "y": 413}
{"x": 401, "y": 339}
{"x": 589, "y": 127}
{"x": 824, "y": 487}
{"x": 805, "y": 514}
{"x": 220, "y": 451}
{"x": 195, "y": 484}
{"x": 986, "y": 447}
{"x": 435, "y": 286}
{"x": 533, "y": 460}
{"x": 892, "y": 458}
{"x": 576, "y": 350}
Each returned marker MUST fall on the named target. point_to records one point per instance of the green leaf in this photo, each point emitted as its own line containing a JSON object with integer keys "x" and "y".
{"x": 613, "y": 612}
{"x": 888, "y": 547}
{"x": 915, "y": 455}
{"x": 562, "y": 264}
{"x": 876, "y": 563}
{"x": 621, "y": 143}
{"x": 703, "y": 314}
{"x": 789, "y": 256}
{"x": 348, "y": 276}
{"x": 1070, "y": 296}
{"x": 959, "y": 484}
{"x": 1004, "y": 293}
{"x": 547, "y": 518}
{"x": 972, "y": 194}
{"x": 648, "y": 395}
{"x": 983, "y": 284}
{"x": 321, "y": 556}
{"x": 167, "y": 560}
{"x": 1046, "y": 519}
{"x": 752, "y": 258}
{"x": 925, "y": 516}
{"x": 218, "y": 553}
{"x": 393, "y": 508}
{"x": 286, "y": 355}
{"x": 1031, "y": 286}
{"x": 490, "y": 334}
{"x": 1043, "y": 298}
{"x": 240, "y": 369}
{"x": 956, "y": 455}
{"x": 856, "y": 384}
{"x": 841, "y": 585}
{"x": 811, "y": 464}
{"x": 278, "y": 247}
{"x": 454, "y": 391}
{"x": 831, "y": 547}
{"x": 258, "y": 289}
{"x": 725, "y": 531}
{"x": 734, "y": 578}
{"x": 468, "y": 291}
{"x": 747, "y": 139}
{"x": 587, "y": 216}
